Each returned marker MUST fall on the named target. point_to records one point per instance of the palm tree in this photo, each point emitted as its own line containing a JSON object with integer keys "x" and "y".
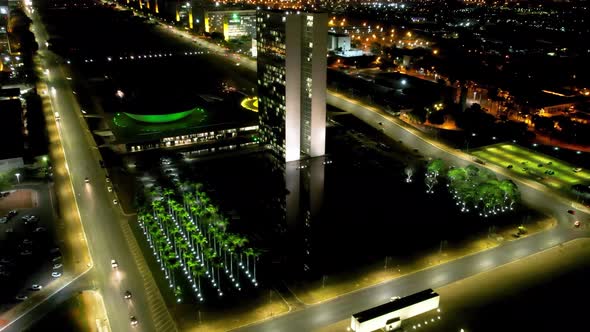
{"x": 174, "y": 236}
{"x": 182, "y": 248}
{"x": 256, "y": 255}
{"x": 174, "y": 264}
{"x": 248, "y": 252}
{"x": 187, "y": 199}
{"x": 209, "y": 257}
{"x": 239, "y": 242}
{"x": 191, "y": 262}
{"x": 202, "y": 242}
{"x": 191, "y": 229}
{"x": 198, "y": 187}
{"x": 199, "y": 272}
{"x": 167, "y": 193}
{"x": 231, "y": 247}
{"x": 194, "y": 210}
{"x": 164, "y": 221}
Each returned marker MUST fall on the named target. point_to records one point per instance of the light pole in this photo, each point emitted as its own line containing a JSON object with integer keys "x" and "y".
{"x": 17, "y": 177}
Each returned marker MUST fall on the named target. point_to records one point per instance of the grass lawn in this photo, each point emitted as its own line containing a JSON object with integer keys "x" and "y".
{"x": 550, "y": 171}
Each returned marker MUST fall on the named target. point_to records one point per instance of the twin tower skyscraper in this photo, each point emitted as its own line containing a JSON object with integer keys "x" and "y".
{"x": 292, "y": 51}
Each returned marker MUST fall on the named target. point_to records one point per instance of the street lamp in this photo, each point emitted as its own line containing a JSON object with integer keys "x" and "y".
{"x": 17, "y": 177}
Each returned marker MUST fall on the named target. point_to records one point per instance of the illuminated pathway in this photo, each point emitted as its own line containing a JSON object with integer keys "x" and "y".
{"x": 534, "y": 195}
{"x": 109, "y": 234}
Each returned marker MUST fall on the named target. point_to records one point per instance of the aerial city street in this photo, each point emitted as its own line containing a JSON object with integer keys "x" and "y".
{"x": 404, "y": 165}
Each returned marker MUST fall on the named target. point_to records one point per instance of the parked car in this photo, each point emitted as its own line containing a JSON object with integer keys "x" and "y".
{"x": 57, "y": 265}
{"x": 115, "y": 202}
{"x": 571, "y": 211}
{"x": 3, "y": 220}
{"x": 36, "y": 287}
{"x": 56, "y": 274}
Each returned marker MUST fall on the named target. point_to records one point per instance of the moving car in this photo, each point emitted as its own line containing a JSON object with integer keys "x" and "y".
{"x": 56, "y": 274}
{"x": 571, "y": 211}
{"x": 127, "y": 295}
{"x": 577, "y": 223}
{"x": 134, "y": 321}
{"x": 3, "y": 220}
{"x": 21, "y": 297}
{"x": 36, "y": 287}
{"x": 87, "y": 180}
{"x": 114, "y": 264}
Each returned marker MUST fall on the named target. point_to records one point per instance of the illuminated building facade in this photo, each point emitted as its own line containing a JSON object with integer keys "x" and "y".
{"x": 291, "y": 53}
{"x": 233, "y": 24}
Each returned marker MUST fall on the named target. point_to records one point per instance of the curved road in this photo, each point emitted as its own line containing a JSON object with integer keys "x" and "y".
{"x": 534, "y": 194}
{"x": 102, "y": 222}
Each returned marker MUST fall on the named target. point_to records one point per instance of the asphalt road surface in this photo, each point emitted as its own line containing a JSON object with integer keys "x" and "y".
{"x": 103, "y": 221}
{"x": 534, "y": 194}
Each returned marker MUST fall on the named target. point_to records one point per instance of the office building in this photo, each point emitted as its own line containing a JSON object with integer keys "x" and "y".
{"x": 291, "y": 49}
{"x": 232, "y": 23}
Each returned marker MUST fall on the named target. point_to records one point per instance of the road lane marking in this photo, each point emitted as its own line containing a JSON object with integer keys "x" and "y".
{"x": 44, "y": 300}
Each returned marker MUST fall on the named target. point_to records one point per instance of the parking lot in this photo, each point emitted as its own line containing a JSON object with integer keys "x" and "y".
{"x": 545, "y": 169}
{"x": 29, "y": 255}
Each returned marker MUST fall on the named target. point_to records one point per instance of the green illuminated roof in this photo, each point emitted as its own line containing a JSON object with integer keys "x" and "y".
{"x": 160, "y": 118}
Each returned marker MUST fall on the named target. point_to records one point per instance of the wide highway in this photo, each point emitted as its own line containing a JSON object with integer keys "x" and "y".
{"x": 109, "y": 236}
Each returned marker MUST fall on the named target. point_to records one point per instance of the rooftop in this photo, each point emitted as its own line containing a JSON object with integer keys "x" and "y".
{"x": 213, "y": 114}
{"x": 394, "y": 305}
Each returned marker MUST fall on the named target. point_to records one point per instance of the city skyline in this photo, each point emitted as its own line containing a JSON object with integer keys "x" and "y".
{"x": 293, "y": 166}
